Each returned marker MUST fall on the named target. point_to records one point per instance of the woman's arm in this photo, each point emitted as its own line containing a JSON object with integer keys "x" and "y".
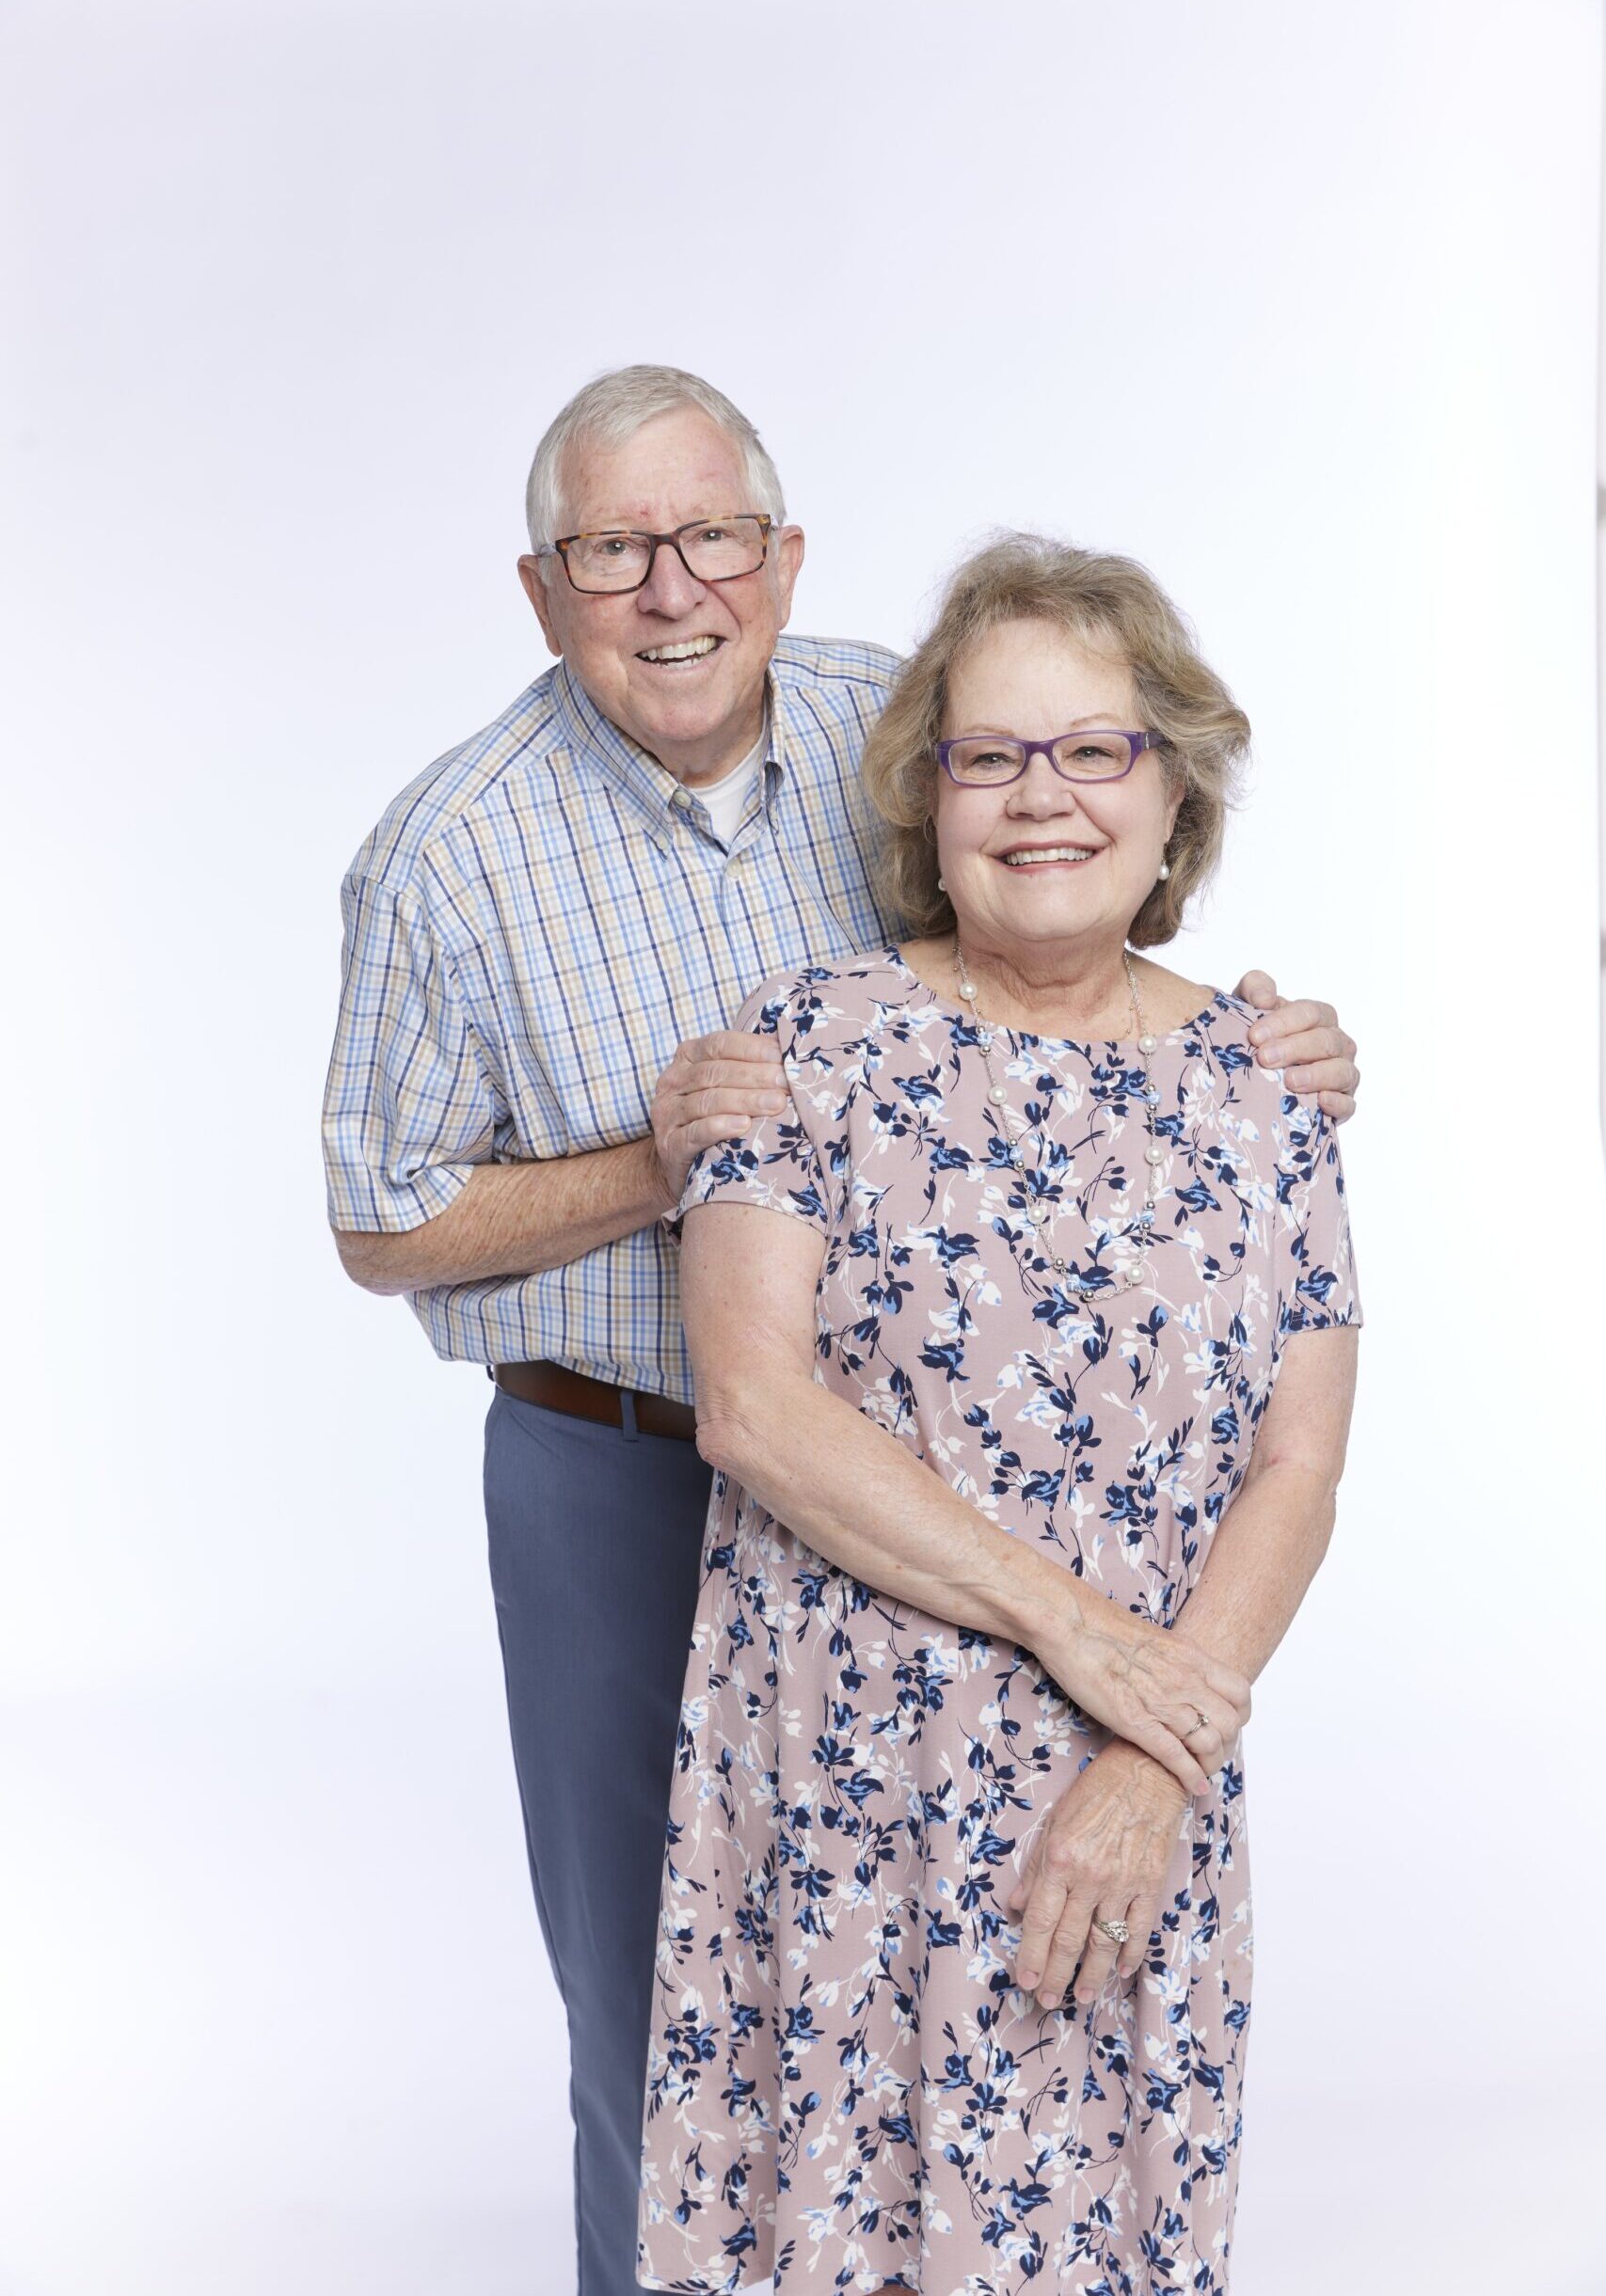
{"x": 865, "y": 1500}
{"x": 1270, "y": 1542}
{"x": 1106, "y": 1848}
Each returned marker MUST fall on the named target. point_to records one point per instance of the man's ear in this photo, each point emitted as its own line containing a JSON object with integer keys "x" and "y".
{"x": 534, "y": 583}
{"x": 789, "y": 550}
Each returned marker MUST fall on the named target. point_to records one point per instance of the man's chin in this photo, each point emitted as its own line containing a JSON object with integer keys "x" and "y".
{"x": 685, "y": 720}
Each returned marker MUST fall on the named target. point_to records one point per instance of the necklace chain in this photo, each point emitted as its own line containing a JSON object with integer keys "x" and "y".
{"x": 1017, "y": 1130}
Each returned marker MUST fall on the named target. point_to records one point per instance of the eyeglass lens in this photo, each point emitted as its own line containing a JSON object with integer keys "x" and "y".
{"x": 1081, "y": 758}
{"x": 713, "y": 552}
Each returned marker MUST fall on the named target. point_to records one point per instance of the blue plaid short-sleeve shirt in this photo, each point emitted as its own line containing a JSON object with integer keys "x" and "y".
{"x": 530, "y": 929}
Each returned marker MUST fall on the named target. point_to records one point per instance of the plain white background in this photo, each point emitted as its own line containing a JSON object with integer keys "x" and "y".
{"x": 1297, "y": 305}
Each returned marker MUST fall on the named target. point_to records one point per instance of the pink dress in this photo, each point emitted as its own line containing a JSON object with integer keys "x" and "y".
{"x": 846, "y": 2089}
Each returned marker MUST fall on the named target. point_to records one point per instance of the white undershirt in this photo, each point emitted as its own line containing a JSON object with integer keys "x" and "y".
{"x": 727, "y": 799}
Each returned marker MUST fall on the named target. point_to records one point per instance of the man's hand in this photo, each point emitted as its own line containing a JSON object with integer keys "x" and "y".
{"x": 1303, "y": 1039}
{"x": 713, "y": 1089}
{"x": 1101, "y": 1856}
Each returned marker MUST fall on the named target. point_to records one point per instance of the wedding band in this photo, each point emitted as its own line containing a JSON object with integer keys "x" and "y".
{"x": 1117, "y": 1932}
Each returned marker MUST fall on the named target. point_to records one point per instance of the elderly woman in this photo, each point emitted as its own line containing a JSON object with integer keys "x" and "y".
{"x": 1024, "y": 1342}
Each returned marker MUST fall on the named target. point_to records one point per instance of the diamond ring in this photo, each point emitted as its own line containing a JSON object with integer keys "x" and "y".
{"x": 1117, "y": 1932}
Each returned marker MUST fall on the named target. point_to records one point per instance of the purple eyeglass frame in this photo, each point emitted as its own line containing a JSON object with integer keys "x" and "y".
{"x": 1009, "y": 741}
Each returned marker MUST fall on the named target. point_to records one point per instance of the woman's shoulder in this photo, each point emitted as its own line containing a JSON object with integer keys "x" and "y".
{"x": 808, "y": 999}
{"x": 1218, "y": 1031}
{"x": 1172, "y": 1002}
{"x": 1220, "y": 1036}
{"x": 1225, "y": 1020}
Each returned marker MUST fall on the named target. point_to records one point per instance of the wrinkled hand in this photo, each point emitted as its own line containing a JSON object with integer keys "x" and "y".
{"x": 1101, "y": 1856}
{"x": 1304, "y": 1040}
{"x": 713, "y": 1089}
{"x": 1166, "y": 1696}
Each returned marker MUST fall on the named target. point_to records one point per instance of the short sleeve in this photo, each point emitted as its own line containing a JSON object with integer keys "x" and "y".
{"x": 408, "y": 1109}
{"x": 1313, "y": 1251}
{"x": 776, "y": 1163}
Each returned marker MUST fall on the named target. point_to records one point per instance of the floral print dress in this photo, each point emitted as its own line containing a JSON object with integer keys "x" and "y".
{"x": 847, "y": 2088}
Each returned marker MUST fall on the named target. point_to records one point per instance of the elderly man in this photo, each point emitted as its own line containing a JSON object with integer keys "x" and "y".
{"x": 544, "y": 936}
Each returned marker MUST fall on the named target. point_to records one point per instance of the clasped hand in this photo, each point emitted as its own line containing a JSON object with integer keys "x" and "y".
{"x": 1149, "y": 1686}
{"x": 1102, "y": 1854}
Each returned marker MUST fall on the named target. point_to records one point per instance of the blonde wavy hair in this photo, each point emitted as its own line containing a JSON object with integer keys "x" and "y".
{"x": 1107, "y": 602}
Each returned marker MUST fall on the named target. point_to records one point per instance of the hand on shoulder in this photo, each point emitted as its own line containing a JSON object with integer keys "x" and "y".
{"x": 1302, "y": 1037}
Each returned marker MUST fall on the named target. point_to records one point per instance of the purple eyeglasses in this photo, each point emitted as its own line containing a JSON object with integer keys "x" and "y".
{"x": 991, "y": 760}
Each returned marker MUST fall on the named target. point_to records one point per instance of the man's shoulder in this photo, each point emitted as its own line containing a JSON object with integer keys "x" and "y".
{"x": 522, "y": 740}
{"x": 844, "y": 674}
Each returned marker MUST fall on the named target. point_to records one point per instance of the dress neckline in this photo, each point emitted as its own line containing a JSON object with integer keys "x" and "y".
{"x": 1025, "y": 1035}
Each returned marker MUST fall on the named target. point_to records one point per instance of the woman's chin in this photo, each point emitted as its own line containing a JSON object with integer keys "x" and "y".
{"x": 1039, "y": 914}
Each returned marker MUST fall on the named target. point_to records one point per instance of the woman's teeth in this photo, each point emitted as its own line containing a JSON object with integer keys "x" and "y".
{"x": 1049, "y": 852}
{"x": 689, "y": 650}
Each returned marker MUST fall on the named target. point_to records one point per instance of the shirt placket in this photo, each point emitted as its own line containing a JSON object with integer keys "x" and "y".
{"x": 724, "y": 880}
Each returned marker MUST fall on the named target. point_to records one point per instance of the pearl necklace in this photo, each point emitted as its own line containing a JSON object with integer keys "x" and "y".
{"x": 1017, "y": 1129}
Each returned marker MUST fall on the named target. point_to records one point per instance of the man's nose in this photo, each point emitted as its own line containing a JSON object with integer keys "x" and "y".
{"x": 669, "y": 589}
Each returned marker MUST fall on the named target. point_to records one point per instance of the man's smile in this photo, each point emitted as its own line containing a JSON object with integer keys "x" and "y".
{"x": 681, "y": 652}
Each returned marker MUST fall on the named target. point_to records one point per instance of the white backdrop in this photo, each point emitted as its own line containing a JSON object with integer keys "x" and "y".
{"x": 1298, "y": 306}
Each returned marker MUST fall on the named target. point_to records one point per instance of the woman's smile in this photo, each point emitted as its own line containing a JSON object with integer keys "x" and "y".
{"x": 1033, "y": 858}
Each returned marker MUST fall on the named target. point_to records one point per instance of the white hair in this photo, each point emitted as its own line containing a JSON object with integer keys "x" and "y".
{"x": 611, "y": 409}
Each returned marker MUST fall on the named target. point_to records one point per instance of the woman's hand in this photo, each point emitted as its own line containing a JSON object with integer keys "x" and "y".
{"x": 1101, "y": 1856}
{"x": 1168, "y": 1697}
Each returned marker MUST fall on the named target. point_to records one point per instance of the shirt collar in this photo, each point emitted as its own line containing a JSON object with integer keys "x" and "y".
{"x": 634, "y": 774}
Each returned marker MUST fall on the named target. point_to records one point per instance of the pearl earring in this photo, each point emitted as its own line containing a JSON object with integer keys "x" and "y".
{"x": 942, "y": 884}
{"x": 1165, "y": 868}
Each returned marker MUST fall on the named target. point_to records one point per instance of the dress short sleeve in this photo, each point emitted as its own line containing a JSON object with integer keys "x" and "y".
{"x": 1313, "y": 1254}
{"x": 776, "y": 1162}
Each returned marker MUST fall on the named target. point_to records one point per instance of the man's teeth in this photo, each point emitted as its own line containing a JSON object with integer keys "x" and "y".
{"x": 687, "y": 651}
{"x": 1048, "y": 853}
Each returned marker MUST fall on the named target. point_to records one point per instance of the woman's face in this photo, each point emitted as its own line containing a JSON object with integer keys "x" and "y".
{"x": 1033, "y": 680}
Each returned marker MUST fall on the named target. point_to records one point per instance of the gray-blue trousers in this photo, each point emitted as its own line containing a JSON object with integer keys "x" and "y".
{"x": 595, "y": 1548}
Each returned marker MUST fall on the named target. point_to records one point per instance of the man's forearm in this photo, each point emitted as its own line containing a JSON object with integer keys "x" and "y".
{"x": 515, "y": 1219}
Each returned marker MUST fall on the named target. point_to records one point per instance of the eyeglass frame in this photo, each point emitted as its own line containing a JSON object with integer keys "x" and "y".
{"x": 1138, "y": 742}
{"x": 559, "y": 547}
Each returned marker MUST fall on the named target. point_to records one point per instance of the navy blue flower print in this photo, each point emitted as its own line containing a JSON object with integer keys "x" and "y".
{"x": 846, "y": 2089}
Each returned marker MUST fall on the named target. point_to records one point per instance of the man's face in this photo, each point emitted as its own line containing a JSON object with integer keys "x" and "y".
{"x": 701, "y": 713}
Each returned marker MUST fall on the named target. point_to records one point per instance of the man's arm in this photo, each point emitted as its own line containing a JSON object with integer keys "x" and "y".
{"x": 518, "y": 1219}
{"x": 515, "y": 1219}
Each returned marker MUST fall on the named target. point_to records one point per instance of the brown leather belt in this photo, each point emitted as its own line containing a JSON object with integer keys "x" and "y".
{"x": 555, "y": 1387}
